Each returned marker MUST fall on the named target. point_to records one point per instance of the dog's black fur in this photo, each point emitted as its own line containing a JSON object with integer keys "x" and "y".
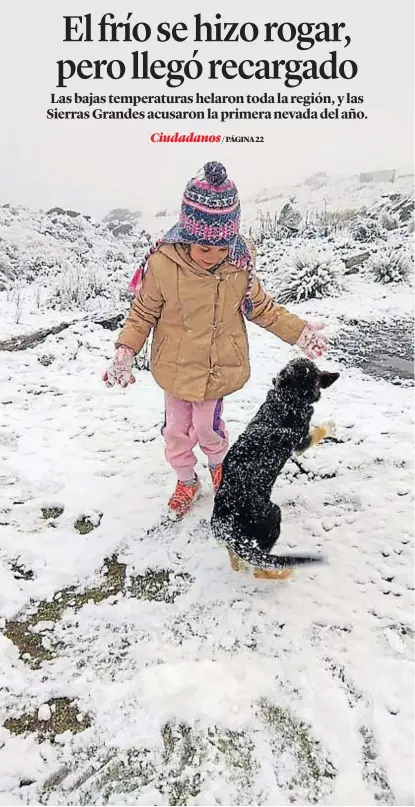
{"x": 244, "y": 517}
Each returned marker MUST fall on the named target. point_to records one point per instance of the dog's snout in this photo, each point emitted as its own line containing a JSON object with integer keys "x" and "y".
{"x": 327, "y": 379}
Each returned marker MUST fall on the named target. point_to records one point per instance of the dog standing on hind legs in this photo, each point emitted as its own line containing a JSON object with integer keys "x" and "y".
{"x": 244, "y": 517}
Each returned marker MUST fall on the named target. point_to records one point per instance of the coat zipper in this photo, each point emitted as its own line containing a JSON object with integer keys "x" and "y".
{"x": 214, "y": 325}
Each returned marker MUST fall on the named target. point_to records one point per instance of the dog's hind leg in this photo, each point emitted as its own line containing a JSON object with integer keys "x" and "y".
{"x": 316, "y": 435}
{"x": 273, "y": 574}
{"x": 237, "y": 564}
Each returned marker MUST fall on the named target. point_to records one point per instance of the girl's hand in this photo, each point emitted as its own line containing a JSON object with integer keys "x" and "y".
{"x": 312, "y": 342}
{"x": 120, "y": 370}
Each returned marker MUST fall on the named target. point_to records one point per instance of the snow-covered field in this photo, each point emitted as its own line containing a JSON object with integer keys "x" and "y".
{"x": 135, "y": 666}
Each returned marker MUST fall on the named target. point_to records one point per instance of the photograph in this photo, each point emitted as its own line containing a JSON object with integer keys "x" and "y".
{"x": 207, "y": 404}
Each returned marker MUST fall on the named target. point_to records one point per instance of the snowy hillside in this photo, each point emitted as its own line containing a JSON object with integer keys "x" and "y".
{"x": 135, "y": 666}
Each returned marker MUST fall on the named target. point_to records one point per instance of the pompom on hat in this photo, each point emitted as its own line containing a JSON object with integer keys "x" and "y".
{"x": 210, "y": 214}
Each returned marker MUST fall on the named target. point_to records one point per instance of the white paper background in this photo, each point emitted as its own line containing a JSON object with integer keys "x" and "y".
{"x": 94, "y": 165}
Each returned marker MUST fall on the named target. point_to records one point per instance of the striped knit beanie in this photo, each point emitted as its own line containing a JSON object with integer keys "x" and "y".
{"x": 210, "y": 215}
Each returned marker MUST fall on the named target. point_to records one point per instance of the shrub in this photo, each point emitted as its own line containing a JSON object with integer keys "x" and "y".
{"x": 270, "y": 228}
{"x": 77, "y": 285}
{"x": 389, "y": 221}
{"x": 392, "y": 265}
{"x": 365, "y": 229}
{"x": 308, "y": 273}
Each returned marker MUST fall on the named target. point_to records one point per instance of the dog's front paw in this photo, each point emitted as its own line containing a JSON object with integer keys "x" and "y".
{"x": 330, "y": 427}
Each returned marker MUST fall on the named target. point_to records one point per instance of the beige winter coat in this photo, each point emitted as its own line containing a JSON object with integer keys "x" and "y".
{"x": 200, "y": 348}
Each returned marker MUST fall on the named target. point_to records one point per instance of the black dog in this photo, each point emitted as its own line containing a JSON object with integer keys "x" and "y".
{"x": 244, "y": 518}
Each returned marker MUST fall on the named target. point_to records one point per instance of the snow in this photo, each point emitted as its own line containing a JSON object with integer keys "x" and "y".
{"x": 204, "y": 690}
{"x": 44, "y": 712}
{"x": 337, "y": 192}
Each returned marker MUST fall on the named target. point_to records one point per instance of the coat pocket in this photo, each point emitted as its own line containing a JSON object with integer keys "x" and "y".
{"x": 238, "y": 352}
{"x": 158, "y": 350}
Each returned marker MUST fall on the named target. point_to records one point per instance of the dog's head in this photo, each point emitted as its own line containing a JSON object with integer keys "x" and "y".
{"x": 302, "y": 379}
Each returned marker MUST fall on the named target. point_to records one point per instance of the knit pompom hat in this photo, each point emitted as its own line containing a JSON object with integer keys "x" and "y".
{"x": 210, "y": 215}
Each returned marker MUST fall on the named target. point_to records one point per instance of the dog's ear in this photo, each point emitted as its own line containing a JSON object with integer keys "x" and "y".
{"x": 327, "y": 379}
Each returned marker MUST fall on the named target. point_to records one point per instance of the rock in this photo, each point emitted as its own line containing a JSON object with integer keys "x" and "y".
{"x": 403, "y": 490}
{"x": 55, "y": 211}
{"x": 120, "y": 214}
{"x": 404, "y": 209}
{"x": 317, "y": 180}
{"x": 110, "y": 323}
{"x": 32, "y": 339}
{"x": 121, "y": 229}
{"x": 353, "y": 263}
{"x": 289, "y": 217}
{"x": 392, "y": 705}
{"x": 383, "y": 349}
{"x": 60, "y": 211}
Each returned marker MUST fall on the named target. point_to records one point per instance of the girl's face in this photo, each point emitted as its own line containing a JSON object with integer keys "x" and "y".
{"x": 207, "y": 257}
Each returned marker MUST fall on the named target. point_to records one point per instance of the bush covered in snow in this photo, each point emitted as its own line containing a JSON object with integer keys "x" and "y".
{"x": 308, "y": 273}
{"x": 365, "y": 229}
{"x": 392, "y": 265}
{"x": 271, "y": 227}
{"x": 77, "y": 285}
{"x": 79, "y": 259}
{"x": 8, "y": 269}
{"x": 389, "y": 221}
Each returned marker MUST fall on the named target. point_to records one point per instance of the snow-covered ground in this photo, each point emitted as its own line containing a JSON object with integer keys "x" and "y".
{"x": 170, "y": 678}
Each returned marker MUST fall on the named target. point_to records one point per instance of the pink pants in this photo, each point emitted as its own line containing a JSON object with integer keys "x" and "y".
{"x": 187, "y": 424}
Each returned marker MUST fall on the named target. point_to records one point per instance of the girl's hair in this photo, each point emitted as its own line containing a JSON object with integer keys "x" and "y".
{"x": 137, "y": 277}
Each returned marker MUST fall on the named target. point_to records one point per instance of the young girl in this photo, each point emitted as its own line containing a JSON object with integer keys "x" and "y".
{"x": 194, "y": 288}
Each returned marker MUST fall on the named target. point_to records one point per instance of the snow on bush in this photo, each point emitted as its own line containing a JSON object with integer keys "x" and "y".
{"x": 8, "y": 271}
{"x": 77, "y": 286}
{"x": 308, "y": 273}
{"x": 81, "y": 262}
{"x": 392, "y": 265}
{"x": 271, "y": 253}
{"x": 365, "y": 229}
{"x": 389, "y": 221}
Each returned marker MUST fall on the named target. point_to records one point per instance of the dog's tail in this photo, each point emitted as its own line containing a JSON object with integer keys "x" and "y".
{"x": 229, "y": 531}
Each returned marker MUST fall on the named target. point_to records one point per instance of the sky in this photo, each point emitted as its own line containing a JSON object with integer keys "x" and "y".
{"x": 96, "y": 165}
